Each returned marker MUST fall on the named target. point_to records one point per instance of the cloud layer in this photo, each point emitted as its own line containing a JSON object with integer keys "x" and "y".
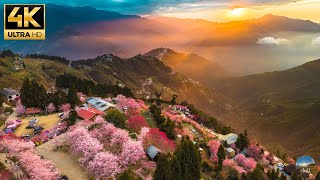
{"x": 316, "y": 41}
{"x": 272, "y": 41}
{"x": 149, "y": 6}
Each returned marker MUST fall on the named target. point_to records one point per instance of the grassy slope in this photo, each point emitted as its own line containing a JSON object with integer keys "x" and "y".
{"x": 280, "y": 107}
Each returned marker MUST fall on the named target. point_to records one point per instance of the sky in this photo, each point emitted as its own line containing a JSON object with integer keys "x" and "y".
{"x": 213, "y": 10}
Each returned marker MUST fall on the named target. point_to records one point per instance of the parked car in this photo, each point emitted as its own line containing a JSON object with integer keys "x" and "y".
{"x": 32, "y": 123}
{"x": 60, "y": 115}
{"x": 25, "y": 136}
{"x": 37, "y": 130}
{"x": 63, "y": 177}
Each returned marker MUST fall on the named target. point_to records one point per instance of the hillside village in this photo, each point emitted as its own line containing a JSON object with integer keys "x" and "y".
{"x": 78, "y": 129}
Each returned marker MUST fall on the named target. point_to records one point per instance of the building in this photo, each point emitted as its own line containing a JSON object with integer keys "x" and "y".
{"x": 33, "y": 111}
{"x": 89, "y": 113}
{"x": 152, "y": 152}
{"x": 230, "y": 138}
{"x": 10, "y": 94}
{"x": 99, "y": 104}
{"x": 230, "y": 152}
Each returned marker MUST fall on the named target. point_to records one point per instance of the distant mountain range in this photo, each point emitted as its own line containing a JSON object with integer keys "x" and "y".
{"x": 192, "y": 65}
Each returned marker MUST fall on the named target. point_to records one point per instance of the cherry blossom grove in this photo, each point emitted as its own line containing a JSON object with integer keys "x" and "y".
{"x": 104, "y": 150}
{"x": 35, "y": 167}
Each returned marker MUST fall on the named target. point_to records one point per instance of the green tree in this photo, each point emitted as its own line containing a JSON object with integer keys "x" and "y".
{"x": 189, "y": 159}
{"x": 117, "y": 118}
{"x": 212, "y": 122}
{"x": 173, "y": 101}
{"x": 232, "y": 174}
{"x": 72, "y": 97}
{"x": 318, "y": 176}
{"x": 221, "y": 156}
{"x": 296, "y": 176}
{"x": 256, "y": 174}
{"x": 25, "y": 93}
{"x": 163, "y": 167}
{"x": 168, "y": 128}
{"x": 243, "y": 140}
{"x": 175, "y": 170}
{"x": 33, "y": 95}
{"x": 59, "y": 98}
{"x": 1, "y": 101}
{"x": 72, "y": 118}
{"x": 128, "y": 175}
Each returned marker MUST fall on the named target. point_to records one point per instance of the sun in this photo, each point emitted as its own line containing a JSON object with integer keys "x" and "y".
{"x": 237, "y": 12}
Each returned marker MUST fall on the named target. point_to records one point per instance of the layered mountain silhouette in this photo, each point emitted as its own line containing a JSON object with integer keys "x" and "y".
{"x": 192, "y": 65}
{"x": 85, "y": 32}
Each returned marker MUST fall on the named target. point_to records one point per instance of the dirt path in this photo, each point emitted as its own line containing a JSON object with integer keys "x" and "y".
{"x": 17, "y": 172}
{"x": 63, "y": 161}
{"x": 12, "y": 116}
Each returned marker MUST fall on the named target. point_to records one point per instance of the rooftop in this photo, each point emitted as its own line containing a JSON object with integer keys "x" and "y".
{"x": 9, "y": 92}
{"x": 85, "y": 114}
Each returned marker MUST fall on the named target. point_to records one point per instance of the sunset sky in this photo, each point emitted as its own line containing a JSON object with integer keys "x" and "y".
{"x": 213, "y": 10}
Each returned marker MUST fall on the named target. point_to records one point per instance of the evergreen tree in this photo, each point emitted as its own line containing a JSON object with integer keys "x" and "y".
{"x": 189, "y": 159}
{"x": 72, "y": 118}
{"x": 318, "y": 176}
{"x": 59, "y": 98}
{"x": 128, "y": 175}
{"x": 168, "y": 128}
{"x": 173, "y": 101}
{"x": 72, "y": 97}
{"x": 1, "y": 101}
{"x": 221, "y": 156}
{"x": 163, "y": 167}
{"x": 232, "y": 174}
{"x": 243, "y": 140}
{"x": 117, "y": 118}
{"x": 256, "y": 174}
{"x": 175, "y": 169}
{"x": 25, "y": 93}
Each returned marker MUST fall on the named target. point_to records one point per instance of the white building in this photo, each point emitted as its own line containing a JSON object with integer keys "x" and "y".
{"x": 10, "y": 94}
{"x": 99, "y": 104}
{"x": 230, "y": 138}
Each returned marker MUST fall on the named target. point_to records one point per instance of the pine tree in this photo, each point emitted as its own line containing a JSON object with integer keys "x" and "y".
{"x": 221, "y": 156}
{"x": 232, "y": 174}
{"x": 72, "y": 118}
{"x": 72, "y": 97}
{"x": 25, "y": 93}
{"x": 189, "y": 159}
{"x": 173, "y": 101}
{"x": 128, "y": 175}
{"x": 318, "y": 176}
{"x": 256, "y": 174}
{"x": 163, "y": 167}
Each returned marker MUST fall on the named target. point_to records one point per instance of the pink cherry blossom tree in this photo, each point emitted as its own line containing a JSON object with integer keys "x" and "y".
{"x": 132, "y": 151}
{"x": 65, "y": 107}
{"x": 51, "y": 108}
{"x": 83, "y": 145}
{"x": 214, "y": 146}
{"x": 135, "y": 123}
{"x": 20, "y": 109}
{"x": 104, "y": 165}
{"x": 255, "y": 151}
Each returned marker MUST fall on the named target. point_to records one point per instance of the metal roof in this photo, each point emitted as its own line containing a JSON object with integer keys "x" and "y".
{"x": 152, "y": 151}
{"x": 9, "y": 92}
{"x": 99, "y": 103}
